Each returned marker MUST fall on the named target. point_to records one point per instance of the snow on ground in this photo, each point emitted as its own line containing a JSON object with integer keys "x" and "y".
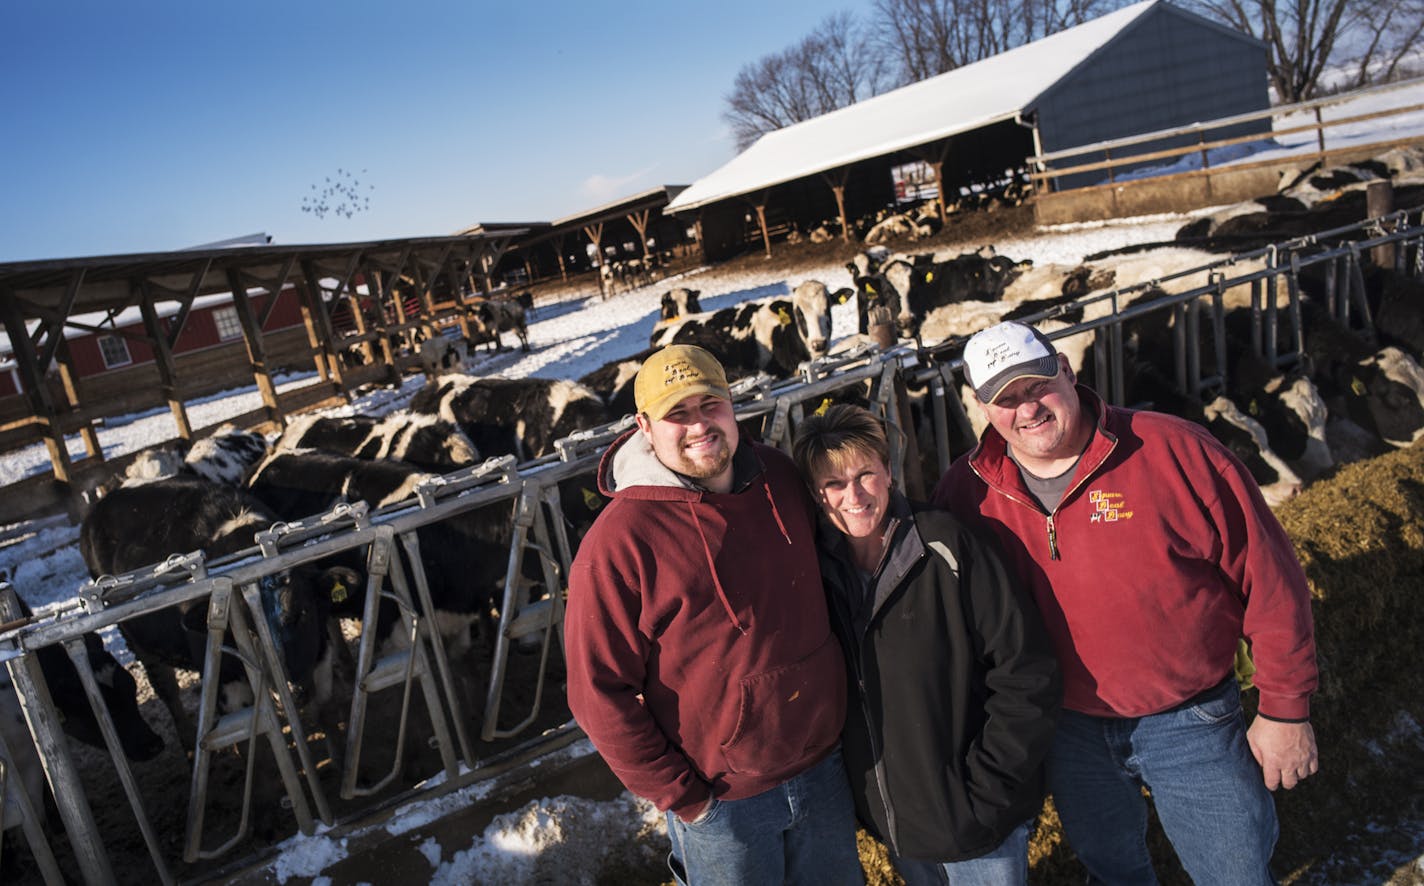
{"x": 568, "y": 339}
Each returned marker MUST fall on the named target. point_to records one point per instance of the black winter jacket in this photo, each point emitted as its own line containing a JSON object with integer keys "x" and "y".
{"x": 953, "y": 688}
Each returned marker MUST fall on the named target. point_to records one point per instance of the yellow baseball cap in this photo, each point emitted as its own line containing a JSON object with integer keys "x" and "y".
{"x": 674, "y": 373}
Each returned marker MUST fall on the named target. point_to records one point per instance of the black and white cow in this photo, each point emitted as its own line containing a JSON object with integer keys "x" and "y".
{"x": 464, "y": 557}
{"x": 226, "y": 455}
{"x": 512, "y": 416}
{"x": 442, "y": 353}
{"x": 426, "y": 441}
{"x": 773, "y": 335}
{"x": 135, "y": 526}
{"x": 613, "y": 382}
{"x": 679, "y": 302}
{"x": 491, "y": 316}
{"x": 117, "y": 688}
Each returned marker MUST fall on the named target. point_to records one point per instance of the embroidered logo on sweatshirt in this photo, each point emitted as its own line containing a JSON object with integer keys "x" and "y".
{"x": 1108, "y": 507}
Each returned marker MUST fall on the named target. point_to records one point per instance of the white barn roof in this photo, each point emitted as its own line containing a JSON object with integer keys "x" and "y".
{"x": 988, "y": 91}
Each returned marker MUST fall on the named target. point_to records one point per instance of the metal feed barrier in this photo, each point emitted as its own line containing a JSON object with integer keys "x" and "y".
{"x": 883, "y": 378}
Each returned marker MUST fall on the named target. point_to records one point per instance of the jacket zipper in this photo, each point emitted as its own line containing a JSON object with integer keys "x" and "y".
{"x": 1051, "y": 525}
{"x": 875, "y": 749}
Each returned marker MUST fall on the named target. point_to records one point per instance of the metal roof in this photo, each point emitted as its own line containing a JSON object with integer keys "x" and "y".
{"x": 998, "y": 88}
{"x": 104, "y": 283}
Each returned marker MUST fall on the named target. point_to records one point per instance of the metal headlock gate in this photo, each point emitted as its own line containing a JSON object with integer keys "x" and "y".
{"x": 388, "y": 539}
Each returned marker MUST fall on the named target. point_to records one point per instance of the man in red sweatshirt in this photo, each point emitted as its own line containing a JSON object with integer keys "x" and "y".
{"x": 1150, "y": 551}
{"x": 700, "y": 656}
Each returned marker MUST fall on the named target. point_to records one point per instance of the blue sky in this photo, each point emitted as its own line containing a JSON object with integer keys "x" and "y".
{"x": 139, "y": 125}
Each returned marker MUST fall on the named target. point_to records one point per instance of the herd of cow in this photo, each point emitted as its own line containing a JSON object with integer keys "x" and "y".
{"x": 1350, "y": 395}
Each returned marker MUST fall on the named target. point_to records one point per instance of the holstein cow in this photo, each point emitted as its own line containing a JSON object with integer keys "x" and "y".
{"x": 464, "y": 557}
{"x": 491, "y": 316}
{"x": 679, "y": 302}
{"x": 774, "y": 335}
{"x": 613, "y": 382}
{"x": 117, "y": 688}
{"x": 226, "y": 455}
{"x": 512, "y": 416}
{"x": 426, "y": 441}
{"x": 442, "y": 353}
{"x": 136, "y": 526}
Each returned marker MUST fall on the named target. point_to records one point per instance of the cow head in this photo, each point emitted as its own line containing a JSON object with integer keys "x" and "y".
{"x": 811, "y": 304}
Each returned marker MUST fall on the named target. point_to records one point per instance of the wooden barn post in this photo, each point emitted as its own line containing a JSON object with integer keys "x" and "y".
{"x": 558, "y": 244}
{"x": 837, "y": 179}
{"x": 69, "y": 378}
{"x": 759, "y": 204}
{"x": 163, "y": 360}
{"x": 376, "y": 289}
{"x": 595, "y": 236}
{"x": 319, "y": 331}
{"x": 41, "y": 404}
{"x": 256, "y": 352}
{"x": 639, "y": 221}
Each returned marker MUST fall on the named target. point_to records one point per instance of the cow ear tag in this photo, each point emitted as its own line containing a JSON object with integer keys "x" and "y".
{"x": 870, "y": 288}
{"x": 843, "y": 299}
{"x": 1357, "y": 386}
{"x": 929, "y": 275}
{"x": 338, "y": 591}
{"x": 591, "y": 499}
{"x": 1254, "y": 408}
{"x": 825, "y": 404}
{"x": 783, "y": 316}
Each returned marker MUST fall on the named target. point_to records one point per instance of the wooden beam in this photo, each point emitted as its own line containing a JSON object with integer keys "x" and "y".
{"x": 185, "y": 304}
{"x": 275, "y": 290}
{"x": 318, "y": 320}
{"x": 256, "y": 353}
{"x": 73, "y": 393}
{"x": 837, "y": 179}
{"x": 376, "y": 291}
{"x": 36, "y": 391}
{"x": 595, "y": 236}
{"x": 639, "y": 221}
{"x": 56, "y": 330}
{"x": 163, "y": 360}
{"x": 759, "y": 203}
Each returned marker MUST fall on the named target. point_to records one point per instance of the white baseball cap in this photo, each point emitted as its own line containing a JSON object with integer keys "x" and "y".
{"x": 996, "y": 356}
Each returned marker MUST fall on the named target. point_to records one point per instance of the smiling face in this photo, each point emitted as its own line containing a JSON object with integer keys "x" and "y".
{"x": 854, "y": 493}
{"x": 1042, "y": 421}
{"x": 696, "y": 438}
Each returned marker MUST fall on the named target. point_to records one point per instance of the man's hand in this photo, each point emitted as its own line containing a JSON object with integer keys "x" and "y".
{"x": 1285, "y": 751}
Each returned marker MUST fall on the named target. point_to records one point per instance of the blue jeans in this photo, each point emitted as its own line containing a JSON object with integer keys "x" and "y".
{"x": 1207, "y": 788}
{"x": 1006, "y": 865}
{"x": 802, "y": 831}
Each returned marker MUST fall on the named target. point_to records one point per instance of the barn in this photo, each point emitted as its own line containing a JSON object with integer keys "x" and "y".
{"x": 1143, "y": 68}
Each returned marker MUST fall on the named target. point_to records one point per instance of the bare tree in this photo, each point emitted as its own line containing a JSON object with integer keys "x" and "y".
{"x": 829, "y": 69}
{"x": 1384, "y": 37}
{"x": 923, "y": 38}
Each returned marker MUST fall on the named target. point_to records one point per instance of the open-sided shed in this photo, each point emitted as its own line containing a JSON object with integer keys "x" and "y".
{"x": 391, "y": 286}
{"x": 1142, "y": 68}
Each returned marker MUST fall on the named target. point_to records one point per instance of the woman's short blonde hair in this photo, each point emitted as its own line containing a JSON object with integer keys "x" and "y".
{"x": 833, "y": 438}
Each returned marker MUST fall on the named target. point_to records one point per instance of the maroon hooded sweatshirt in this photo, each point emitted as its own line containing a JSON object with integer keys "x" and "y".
{"x": 700, "y": 656}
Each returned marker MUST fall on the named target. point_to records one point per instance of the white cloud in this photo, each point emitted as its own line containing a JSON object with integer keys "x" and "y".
{"x": 601, "y": 188}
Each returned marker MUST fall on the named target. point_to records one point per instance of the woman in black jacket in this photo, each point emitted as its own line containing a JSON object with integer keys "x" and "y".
{"x": 954, "y": 689}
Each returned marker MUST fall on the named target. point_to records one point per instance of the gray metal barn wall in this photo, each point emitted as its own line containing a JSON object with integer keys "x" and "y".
{"x": 1169, "y": 68}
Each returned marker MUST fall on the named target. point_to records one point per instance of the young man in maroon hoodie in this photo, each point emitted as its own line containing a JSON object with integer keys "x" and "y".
{"x": 1150, "y": 551}
{"x": 700, "y": 656}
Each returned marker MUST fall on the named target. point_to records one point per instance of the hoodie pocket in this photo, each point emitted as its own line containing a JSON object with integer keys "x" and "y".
{"x": 789, "y": 714}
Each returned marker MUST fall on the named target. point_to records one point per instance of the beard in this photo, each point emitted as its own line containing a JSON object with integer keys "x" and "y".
{"x": 705, "y": 466}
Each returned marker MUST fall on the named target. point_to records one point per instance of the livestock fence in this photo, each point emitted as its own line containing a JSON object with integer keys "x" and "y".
{"x": 914, "y": 389}
{"x": 1220, "y": 161}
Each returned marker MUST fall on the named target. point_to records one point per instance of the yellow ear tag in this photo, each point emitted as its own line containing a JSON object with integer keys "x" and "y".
{"x": 929, "y": 275}
{"x": 591, "y": 499}
{"x": 843, "y": 299}
{"x": 870, "y": 288}
{"x": 1358, "y": 387}
{"x": 825, "y": 404}
{"x": 784, "y": 317}
{"x": 338, "y": 592}
{"x": 1254, "y": 408}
